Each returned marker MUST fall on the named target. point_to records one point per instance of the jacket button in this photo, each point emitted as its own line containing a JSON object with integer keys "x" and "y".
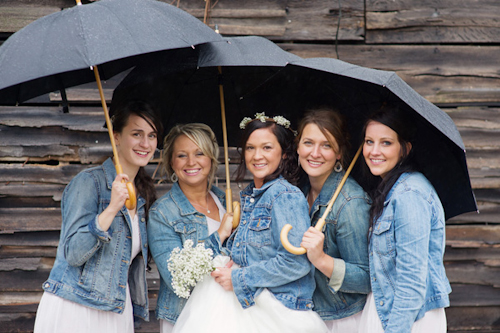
{"x": 46, "y": 285}
{"x": 237, "y": 244}
{"x": 252, "y": 199}
{"x": 143, "y": 220}
{"x": 381, "y": 302}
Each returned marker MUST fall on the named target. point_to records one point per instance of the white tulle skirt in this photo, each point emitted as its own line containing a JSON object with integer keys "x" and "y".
{"x": 433, "y": 321}
{"x": 210, "y": 308}
{"x": 58, "y": 315}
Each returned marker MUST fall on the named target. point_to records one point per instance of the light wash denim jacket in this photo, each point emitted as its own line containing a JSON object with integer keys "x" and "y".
{"x": 257, "y": 248}
{"x": 92, "y": 267}
{"x": 408, "y": 276}
{"x": 342, "y": 294}
{"x": 172, "y": 221}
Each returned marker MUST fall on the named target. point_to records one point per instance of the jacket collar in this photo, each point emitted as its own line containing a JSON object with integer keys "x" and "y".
{"x": 183, "y": 203}
{"x": 251, "y": 190}
{"x": 329, "y": 187}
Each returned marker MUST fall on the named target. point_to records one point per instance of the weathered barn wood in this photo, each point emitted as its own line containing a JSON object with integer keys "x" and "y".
{"x": 431, "y": 21}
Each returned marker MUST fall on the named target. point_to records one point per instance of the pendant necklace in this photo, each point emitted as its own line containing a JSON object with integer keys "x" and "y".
{"x": 208, "y": 211}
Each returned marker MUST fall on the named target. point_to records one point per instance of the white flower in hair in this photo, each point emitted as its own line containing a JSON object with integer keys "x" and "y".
{"x": 261, "y": 116}
{"x": 280, "y": 120}
{"x": 244, "y": 122}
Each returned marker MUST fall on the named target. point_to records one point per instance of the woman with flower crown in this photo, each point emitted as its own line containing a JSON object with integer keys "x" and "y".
{"x": 191, "y": 212}
{"x": 267, "y": 289}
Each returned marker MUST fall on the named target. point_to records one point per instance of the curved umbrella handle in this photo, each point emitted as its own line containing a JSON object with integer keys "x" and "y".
{"x": 236, "y": 214}
{"x": 321, "y": 222}
{"x": 233, "y": 207}
{"x": 132, "y": 198}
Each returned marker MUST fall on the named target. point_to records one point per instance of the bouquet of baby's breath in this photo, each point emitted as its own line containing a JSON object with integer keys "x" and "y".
{"x": 189, "y": 266}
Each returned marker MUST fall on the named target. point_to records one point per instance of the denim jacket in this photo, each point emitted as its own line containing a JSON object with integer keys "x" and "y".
{"x": 172, "y": 221}
{"x": 92, "y": 266}
{"x": 406, "y": 254}
{"x": 257, "y": 248}
{"x": 344, "y": 293}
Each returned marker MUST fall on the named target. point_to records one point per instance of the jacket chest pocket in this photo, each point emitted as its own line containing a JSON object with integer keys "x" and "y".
{"x": 383, "y": 238}
{"x": 259, "y": 231}
{"x": 186, "y": 230}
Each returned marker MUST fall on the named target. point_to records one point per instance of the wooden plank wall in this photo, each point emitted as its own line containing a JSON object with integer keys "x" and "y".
{"x": 447, "y": 50}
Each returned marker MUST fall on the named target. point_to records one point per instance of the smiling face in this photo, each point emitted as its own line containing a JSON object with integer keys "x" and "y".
{"x": 263, "y": 154}
{"x": 381, "y": 149}
{"x": 136, "y": 143}
{"x": 189, "y": 163}
{"x": 316, "y": 154}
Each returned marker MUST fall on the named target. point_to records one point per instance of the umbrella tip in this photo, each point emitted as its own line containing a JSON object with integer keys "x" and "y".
{"x": 217, "y": 29}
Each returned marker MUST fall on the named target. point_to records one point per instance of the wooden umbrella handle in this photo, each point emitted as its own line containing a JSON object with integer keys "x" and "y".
{"x": 321, "y": 222}
{"x": 132, "y": 198}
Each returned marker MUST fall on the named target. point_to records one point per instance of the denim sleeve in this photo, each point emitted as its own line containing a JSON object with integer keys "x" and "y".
{"x": 412, "y": 227}
{"x": 162, "y": 240}
{"x": 283, "y": 267}
{"x": 79, "y": 208}
{"x": 213, "y": 242}
{"x": 352, "y": 242}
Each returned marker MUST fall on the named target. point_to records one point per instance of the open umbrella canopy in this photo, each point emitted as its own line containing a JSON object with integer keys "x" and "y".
{"x": 190, "y": 92}
{"x": 56, "y": 51}
{"x": 357, "y": 92}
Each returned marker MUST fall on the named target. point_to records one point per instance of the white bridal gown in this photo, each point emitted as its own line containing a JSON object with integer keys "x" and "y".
{"x": 58, "y": 315}
{"x": 210, "y": 308}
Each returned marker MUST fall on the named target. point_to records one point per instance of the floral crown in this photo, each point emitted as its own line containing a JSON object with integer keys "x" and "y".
{"x": 280, "y": 120}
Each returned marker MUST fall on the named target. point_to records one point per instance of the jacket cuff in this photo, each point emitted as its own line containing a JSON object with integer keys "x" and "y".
{"x": 213, "y": 242}
{"x": 338, "y": 274}
{"x": 241, "y": 290}
{"x": 95, "y": 229}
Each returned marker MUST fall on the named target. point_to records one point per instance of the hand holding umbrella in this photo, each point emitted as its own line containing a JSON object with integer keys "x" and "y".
{"x": 321, "y": 222}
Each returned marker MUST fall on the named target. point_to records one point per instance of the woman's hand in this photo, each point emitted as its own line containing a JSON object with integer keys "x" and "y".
{"x": 313, "y": 241}
{"x": 119, "y": 194}
{"x": 222, "y": 276}
{"x": 226, "y": 226}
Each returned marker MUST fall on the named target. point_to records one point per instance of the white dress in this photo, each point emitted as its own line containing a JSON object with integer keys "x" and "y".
{"x": 210, "y": 308}
{"x": 433, "y": 321}
{"x": 58, "y": 315}
{"x": 213, "y": 226}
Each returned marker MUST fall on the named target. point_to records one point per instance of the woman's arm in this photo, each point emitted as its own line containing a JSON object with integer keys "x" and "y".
{"x": 352, "y": 242}
{"x": 412, "y": 227}
{"x": 80, "y": 236}
{"x": 162, "y": 240}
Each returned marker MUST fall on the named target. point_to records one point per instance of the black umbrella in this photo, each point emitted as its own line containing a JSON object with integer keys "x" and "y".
{"x": 357, "y": 92}
{"x": 56, "y": 51}
{"x": 209, "y": 84}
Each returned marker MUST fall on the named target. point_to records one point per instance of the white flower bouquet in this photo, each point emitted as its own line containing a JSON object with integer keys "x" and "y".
{"x": 189, "y": 266}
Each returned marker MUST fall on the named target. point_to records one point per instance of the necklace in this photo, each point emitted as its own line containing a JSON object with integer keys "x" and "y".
{"x": 205, "y": 208}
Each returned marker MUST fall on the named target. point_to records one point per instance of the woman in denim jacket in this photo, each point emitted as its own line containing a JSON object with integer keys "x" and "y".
{"x": 274, "y": 286}
{"x": 340, "y": 255}
{"x": 193, "y": 209}
{"x": 407, "y": 239}
{"x": 98, "y": 282}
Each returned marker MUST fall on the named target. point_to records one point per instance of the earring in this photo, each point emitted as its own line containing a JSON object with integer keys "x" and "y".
{"x": 174, "y": 178}
{"x": 338, "y": 166}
